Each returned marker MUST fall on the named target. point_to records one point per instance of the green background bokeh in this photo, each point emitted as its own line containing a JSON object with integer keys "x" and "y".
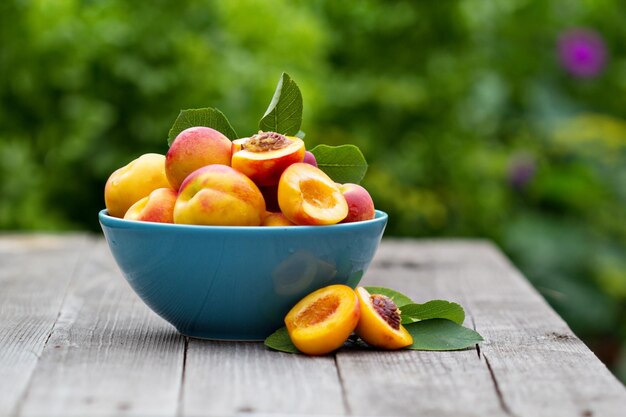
{"x": 471, "y": 125}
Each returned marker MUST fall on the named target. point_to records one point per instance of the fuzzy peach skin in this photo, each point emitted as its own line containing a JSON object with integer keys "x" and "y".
{"x": 219, "y": 195}
{"x": 194, "y": 148}
{"x": 264, "y": 167}
{"x": 132, "y": 182}
{"x": 276, "y": 219}
{"x": 156, "y": 207}
{"x": 360, "y": 203}
{"x": 307, "y": 196}
{"x": 309, "y": 158}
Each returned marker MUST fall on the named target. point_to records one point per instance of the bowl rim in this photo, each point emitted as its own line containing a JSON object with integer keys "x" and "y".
{"x": 117, "y": 222}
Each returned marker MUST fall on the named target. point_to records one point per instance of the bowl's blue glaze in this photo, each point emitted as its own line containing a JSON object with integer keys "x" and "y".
{"x": 236, "y": 283}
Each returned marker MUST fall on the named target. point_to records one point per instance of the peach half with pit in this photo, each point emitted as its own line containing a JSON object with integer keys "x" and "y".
{"x": 307, "y": 196}
{"x": 134, "y": 181}
{"x": 380, "y": 322}
{"x": 194, "y": 148}
{"x": 322, "y": 321}
{"x": 264, "y": 156}
{"x": 219, "y": 195}
{"x": 360, "y": 203}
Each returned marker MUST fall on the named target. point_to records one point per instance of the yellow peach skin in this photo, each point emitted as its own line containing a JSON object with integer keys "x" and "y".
{"x": 131, "y": 183}
{"x": 307, "y": 196}
{"x": 156, "y": 207}
{"x": 219, "y": 195}
{"x": 276, "y": 219}
{"x": 194, "y": 148}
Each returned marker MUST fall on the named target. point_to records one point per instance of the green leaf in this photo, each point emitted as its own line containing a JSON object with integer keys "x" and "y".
{"x": 344, "y": 163}
{"x": 400, "y": 299}
{"x": 441, "y": 334}
{"x": 284, "y": 114}
{"x": 301, "y": 134}
{"x": 208, "y": 117}
{"x": 434, "y": 309}
{"x": 279, "y": 340}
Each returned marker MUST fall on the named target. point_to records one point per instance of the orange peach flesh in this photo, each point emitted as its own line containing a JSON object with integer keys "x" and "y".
{"x": 323, "y": 320}
{"x": 306, "y": 195}
{"x": 266, "y": 167}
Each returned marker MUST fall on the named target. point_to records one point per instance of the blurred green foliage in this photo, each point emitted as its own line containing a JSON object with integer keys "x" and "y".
{"x": 471, "y": 125}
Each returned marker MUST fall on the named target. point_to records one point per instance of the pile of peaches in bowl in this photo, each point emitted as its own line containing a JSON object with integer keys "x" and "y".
{"x": 221, "y": 238}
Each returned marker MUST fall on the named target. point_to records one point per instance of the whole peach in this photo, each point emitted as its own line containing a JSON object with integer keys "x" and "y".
{"x": 156, "y": 207}
{"x": 194, "y": 148}
{"x": 132, "y": 182}
{"x": 219, "y": 195}
{"x": 276, "y": 219}
{"x": 309, "y": 158}
{"x": 360, "y": 203}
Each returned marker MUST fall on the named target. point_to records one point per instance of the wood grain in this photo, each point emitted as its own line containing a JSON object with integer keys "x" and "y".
{"x": 538, "y": 366}
{"x": 227, "y": 378}
{"x": 75, "y": 340}
{"x": 108, "y": 354}
{"x": 35, "y": 271}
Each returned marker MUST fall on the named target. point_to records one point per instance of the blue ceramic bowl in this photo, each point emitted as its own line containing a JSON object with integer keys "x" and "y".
{"x": 236, "y": 283}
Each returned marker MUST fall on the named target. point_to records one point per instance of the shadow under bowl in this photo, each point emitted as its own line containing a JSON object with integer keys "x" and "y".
{"x": 236, "y": 283}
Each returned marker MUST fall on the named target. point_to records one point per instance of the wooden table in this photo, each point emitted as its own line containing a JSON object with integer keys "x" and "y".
{"x": 76, "y": 341}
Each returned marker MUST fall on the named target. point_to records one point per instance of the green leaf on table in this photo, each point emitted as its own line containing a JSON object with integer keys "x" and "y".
{"x": 441, "y": 334}
{"x": 284, "y": 114}
{"x": 208, "y": 117}
{"x": 400, "y": 299}
{"x": 280, "y": 340}
{"x": 434, "y": 309}
{"x": 344, "y": 163}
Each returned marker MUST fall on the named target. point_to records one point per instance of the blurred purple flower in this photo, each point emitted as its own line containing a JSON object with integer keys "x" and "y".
{"x": 521, "y": 170}
{"x": 582, "y": 52}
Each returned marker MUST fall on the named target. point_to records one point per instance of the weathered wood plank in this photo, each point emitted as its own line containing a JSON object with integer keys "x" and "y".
{"x": 409, "y": 383}
{"x": 108, "y": 354}
{"x": 538, "y": 366}
{"x": 228, "y": 378}
{"x": 34, "y": 273}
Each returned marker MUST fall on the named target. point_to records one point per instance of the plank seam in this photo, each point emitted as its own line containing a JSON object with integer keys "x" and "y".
{"x": 344, "y": 394}
{"x": 496, "y": 385}
{"x": 20, "y": 402}
{"x": 181, "y": 391}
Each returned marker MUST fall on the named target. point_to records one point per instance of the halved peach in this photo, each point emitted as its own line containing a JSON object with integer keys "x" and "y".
{"x": 380, "y": 322}
{"x": 264, "y": 156}
{"x": 306, "y": 195}
{"x": 323, "y": 320}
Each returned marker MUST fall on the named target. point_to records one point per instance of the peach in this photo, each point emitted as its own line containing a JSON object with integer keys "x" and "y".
{"x": 132, "y": 182}
{"x": 380, "y": 322}
{"x": 307, "y": 196}
{"x": 219, "y": 195}
{"x": 309, "y": 158}
{"x": 276, "y": 219}
{"x": 360, "y": 203}
{"x": 156, "y": 207}
{"x": 264, "y": 156}
{"x": 322, "y": 321}
{"x": 194, "y": 148}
